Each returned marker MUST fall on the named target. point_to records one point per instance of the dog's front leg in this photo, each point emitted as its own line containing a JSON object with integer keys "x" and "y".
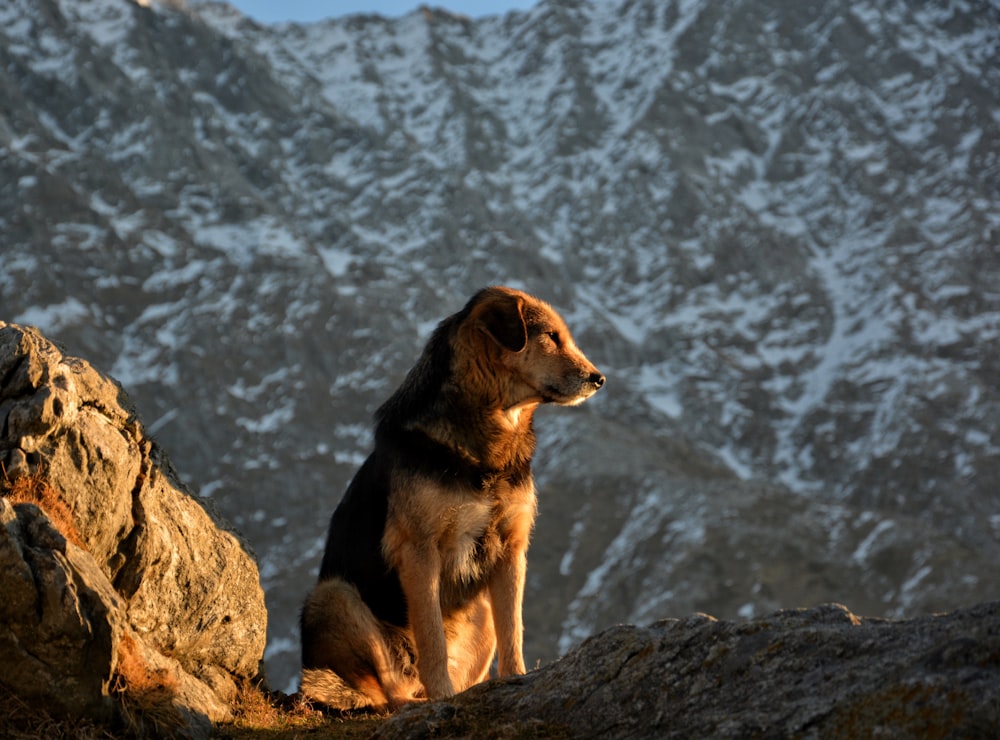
{"x": 420, "y": 577}
{"x": 507, "y": 595}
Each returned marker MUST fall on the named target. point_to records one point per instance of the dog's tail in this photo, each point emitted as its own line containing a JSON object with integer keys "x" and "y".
{"x": 326, "y": 687}
{"x": 349, "y": 659}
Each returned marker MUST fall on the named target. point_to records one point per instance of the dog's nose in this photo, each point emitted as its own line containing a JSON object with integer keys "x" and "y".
{"x": 597, "y": 379}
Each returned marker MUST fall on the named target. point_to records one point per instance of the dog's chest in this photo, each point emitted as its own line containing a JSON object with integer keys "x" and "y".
{"x": 469, "y": 542}
{"x": 478, "y": 531}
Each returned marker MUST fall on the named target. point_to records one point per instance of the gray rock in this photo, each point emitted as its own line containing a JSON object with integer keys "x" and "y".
{"x": 159, "y": 580}
{"x": 820, "y": 672}
{"x": 60, "y": 618}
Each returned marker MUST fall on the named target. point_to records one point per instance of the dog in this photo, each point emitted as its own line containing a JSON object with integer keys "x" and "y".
{"x": 422, "y": 580}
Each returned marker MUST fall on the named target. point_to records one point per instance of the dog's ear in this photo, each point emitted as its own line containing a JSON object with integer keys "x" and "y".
{"x": 502, "y": 317}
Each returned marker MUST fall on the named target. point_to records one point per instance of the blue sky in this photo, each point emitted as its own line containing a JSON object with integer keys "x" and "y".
{"x": 274, "y": 11}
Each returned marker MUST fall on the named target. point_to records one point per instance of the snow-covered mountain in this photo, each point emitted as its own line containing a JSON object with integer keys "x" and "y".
{"x": 775, "y": 227}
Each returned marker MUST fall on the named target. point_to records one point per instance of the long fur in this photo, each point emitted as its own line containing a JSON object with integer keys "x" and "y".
{"x": 423, "y": 574}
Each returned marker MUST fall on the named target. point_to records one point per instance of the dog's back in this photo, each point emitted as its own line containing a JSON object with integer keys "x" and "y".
{"x": 354, "y": 540}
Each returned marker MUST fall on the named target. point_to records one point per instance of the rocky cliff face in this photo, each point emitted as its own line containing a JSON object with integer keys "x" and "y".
{"x": 775, "y": 229}
{"x": 118, "y": 585}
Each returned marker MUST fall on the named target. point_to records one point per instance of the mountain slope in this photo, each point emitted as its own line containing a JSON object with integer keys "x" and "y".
{"x": 775, "y": 230}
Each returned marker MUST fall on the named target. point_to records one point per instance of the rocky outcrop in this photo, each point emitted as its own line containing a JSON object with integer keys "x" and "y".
{"x": 820, "y": 672}
{"x": 122, "y": 593}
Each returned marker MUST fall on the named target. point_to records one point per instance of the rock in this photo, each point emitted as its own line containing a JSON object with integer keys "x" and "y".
{"x": 817, "y": 672}
{"x": 60, "y": 617}
{"x": 158, "y": 599}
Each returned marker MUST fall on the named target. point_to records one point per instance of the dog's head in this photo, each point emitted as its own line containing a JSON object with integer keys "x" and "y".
{"x": 528, "y": 350}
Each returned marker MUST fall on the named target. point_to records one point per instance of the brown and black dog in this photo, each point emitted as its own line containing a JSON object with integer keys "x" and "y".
{"x": 423, "y": 574}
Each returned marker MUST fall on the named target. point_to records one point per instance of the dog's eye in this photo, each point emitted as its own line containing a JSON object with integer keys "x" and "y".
{"x": 554, "y": 336}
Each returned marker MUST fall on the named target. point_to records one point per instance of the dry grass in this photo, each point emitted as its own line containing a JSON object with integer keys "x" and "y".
{"x": 22, "y": 721}
{"x": 35, "y": 489}
{"x": 261, "y": 714}
{"x": 146, "y": 711}
{"x": 146, "y": 695}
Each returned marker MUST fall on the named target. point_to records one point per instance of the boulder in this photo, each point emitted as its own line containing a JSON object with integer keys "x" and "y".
{"x": 819, "y": 672}
{"x": 120, "y": 587}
